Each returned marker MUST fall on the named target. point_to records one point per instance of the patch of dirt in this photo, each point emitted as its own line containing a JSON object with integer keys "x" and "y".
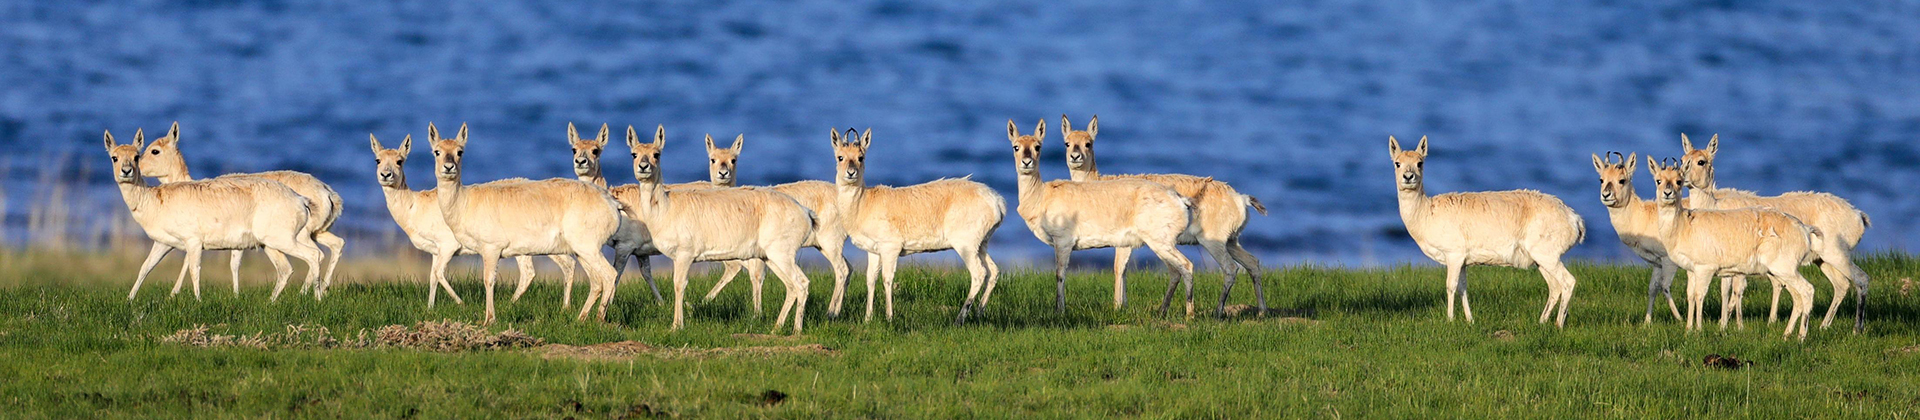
{"x": 1724, "y": 362}
{"x": 1119, "y": 327}
{"x": 772, "y": 398}
{"x": 766, "y": 337}
{"x": 438, "y": 336}
{"x": 1294, "y": 320}
{"x": 603, "y": 351}
{"x": 1502, "y": 335}
{"x": 629, "y": 349}
{"x": 1904, "y": 350}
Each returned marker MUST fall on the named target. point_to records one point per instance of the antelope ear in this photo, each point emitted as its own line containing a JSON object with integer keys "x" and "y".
{"x": 1652, "y": 166}
{"x": 109, "y": 139}
{"x": 633, "y": 138}
{"x": 433, "y": 133}
{"x": 375, "y": 142}
{"x": 406, "y": 145}
{"x": 1040, "y": 130}
{"x": 1597, "y": 164}
{"x": 866, "y": 139}
{"x": 660, "y": 136}
{"x": 1713, "y": 145}
{"x": 572, "y": 135}
{"x": 139, "y": 138}
{"x": 1065, "y": 126}
{"x": 1422, "y": 149}
{"x": 739, "y": 141}
{"x": 1632, "y": 161}
{"x": 1093, "y": 128}
{"x": 173, "y": 134}
{"x": 710, "y": 147}
{"x": 602, "y": 139}
{"x": 1393, "y": 146}
{"x": 833, "y": 133}
{"x": 1013, "y": 133}
{"x": 461, "y": 137}
{"x": 1686, "y": 146}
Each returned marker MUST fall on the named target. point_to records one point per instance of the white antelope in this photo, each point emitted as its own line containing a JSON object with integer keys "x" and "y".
{"x": 1746, "y": 241}
{"x": 1219, "y": 215}
{"x": 418, "y": 214}
{"x": 631, "y": 238}
{"x": 1120, "y": 213}
{"x": 720, "y": 224}
{"x": 1518, "y": 228}
{"x": 1840, "y": 223}
{"x": 819, "y": 196}
{"x": 215, "y": 214}
{"x": 1638, "y": 224}
{"x": 163, "y": 161}
{"x": 546, "y": 217}
{"x": 888, "y": 222}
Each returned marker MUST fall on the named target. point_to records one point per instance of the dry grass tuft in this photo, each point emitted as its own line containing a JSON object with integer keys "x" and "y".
{"x": 438, "y": 336}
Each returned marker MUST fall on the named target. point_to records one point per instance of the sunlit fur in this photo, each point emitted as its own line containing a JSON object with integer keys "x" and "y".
{"x": 630, "y": 240}
{"x": 1219, "y": 212}
{"x": 1748, "y": 241}
{"x": 164, "y": 162}
{"x": 819, "y": 196}
{"x": 1519, "y": 228}
{"x": 1121, "y": 213}
{"x": 1841, "y": 223}
{"x": 1638, "y": 224}
{"x": 888, "y": 222}
{"x": 545, "y": 217}
{"x": 418, "y": 214}
{"x": 720, "y": 224}
{"x": 215, "y": 214}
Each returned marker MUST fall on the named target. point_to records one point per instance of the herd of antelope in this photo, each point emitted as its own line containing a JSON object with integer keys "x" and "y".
{"x": 1713, "y": 232}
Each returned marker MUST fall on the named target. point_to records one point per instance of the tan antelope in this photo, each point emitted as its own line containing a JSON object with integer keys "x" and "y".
{"x": 1518, "y": 228}
{"x": 1219, "y": 214}
{"x": 217, "y": 214}
{"x": 1120, "y": 213}
{"x": 631, "y": 238}
{"x": 819, "y": 196}
{"x": 1841, "y": 225}
{"x": 888, "y": 222}
{"x": 1638, "y": 224}
{"x": 720, "y": 224}
{"x": 418, "y": 214}
{"x": 1746, "y": 241}
{"x": 164, "y": 162}
{"x": 546, "y": 217}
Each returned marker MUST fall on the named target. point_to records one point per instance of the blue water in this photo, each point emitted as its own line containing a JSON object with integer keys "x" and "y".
{"x": 1289, "y": 101}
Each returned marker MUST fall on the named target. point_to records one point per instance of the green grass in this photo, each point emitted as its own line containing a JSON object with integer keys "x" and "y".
{"x": 1378, "y": 345}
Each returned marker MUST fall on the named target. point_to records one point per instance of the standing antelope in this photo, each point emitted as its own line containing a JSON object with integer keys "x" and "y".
{"x": 1219, "y": 215}
{"x": 1747, "y": 241}
{"x": 1518, "y": 228}
{"x": 631, "y": 238}
{"x": 1638, "y": 224}
{"x": 888, "y": 222}
{"x": 217, "y": 214}
{"x": 819, "y": 196}
{"x": 546, "y": 217}
{"x": 1119, "y": 213}
{"x": 1840, "y": 223}
{"x": 418, "y": 214}
{"x": 164, "y": 162}
{"x": 720, "y": 224}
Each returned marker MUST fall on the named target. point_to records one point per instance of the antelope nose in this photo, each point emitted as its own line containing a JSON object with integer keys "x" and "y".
{"x": 1075, "y": 156}
{"x": 580, "y": 162}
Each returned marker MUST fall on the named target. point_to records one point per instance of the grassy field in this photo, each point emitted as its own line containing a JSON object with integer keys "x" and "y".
{"x": 1351, "y": 343}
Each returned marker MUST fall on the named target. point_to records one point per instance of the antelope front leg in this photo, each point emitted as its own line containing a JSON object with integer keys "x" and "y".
{"x": 233, "y": 264}
{"x": 153, "y": 258}
{"x": 1061, "y": 254}
{"x": 681, "y": 265}
{"x": 1453, "y": 286}
{"x": 1121, "y": 255}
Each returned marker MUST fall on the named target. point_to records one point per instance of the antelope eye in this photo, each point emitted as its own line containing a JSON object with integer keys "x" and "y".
{"x": 1421, "y": 165}
{"x": 460, "y": 153}
{"x": 839, "y": 158}
{"x": 656, "y": 155}
{"x": 712, "y": 161}
{"x": 156, "y": 152}
{"x": 1703, "y": 163}
{"x": 116, "y": 158}
{"x": 596, "y": 152}
{"x": 1396, "y": 165}
{"x": 436, "y": 153}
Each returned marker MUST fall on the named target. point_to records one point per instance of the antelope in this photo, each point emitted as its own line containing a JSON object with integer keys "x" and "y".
{"x": 1638, "y": 223}
{"x": 888, "y": 222}
{"x": 418, "y": 214}
{"x": 819, "y": 196}
{"x": 720, "y": 224}
{"x": 631, "y": 238}
{"x": 546, "y": 217}
{"x": 164, "y": 162}
{"x": 1075, "y": 215}
{"x": 1747, "y": 241}
{"x": 1517, "y": 228}
{"x": 1219, "y": 215}
{"x": 217, "y": 214}
{"x": 1842, "y": 226}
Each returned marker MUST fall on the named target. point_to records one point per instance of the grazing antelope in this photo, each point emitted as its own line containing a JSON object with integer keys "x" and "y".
{"x": 888, "y": 222}
{"x": 819, "y": 196}
{"x": 418, "y": 214}
{"x": 1638, "y": 224}
{"x": 164, "y": 162}
{"x": 1747, "y": 241}
{"x": 1841, "y": 225}
{"x": 631, "y": 238}
{"x": 1119, "y": 213}
{"x": 1219, "y": 215}
{"x": 1518, "y": 228}
{"x": 216, "y": 214}
{"x": 546, "y": 217}
{"x": 720, "y": 224}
